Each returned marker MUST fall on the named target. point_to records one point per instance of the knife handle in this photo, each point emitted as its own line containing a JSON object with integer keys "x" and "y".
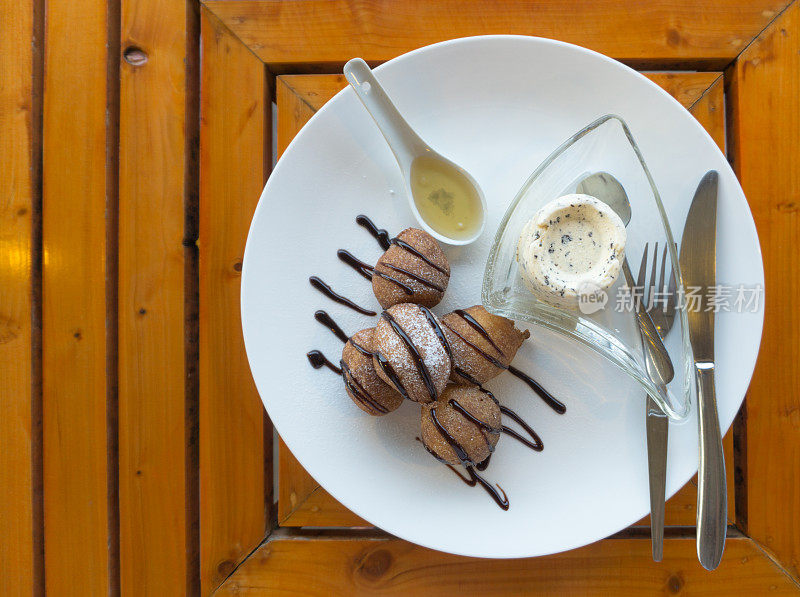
{"x": 712, "y": 501}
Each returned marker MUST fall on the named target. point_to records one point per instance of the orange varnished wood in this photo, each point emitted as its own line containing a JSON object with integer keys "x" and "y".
{"x": 152, "y": 434}
{"x": 234, "y": 155}
{"x": 16, "y": 213}
{"x": 302, "y": 502}
{"x": 395, "y": 567}
{"x": 292, "y": 35}
{"x": 765, "y": 131}
{"x": 76, "y": 485}
{"x": 63, "y": 536}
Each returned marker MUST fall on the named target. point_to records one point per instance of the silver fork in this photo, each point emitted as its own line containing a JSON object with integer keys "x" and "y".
{"x": 662, "y": 312}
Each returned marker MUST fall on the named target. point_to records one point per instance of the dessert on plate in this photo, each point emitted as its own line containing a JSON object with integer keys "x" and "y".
{"x": 414, "y": 269}
{"x": 573, "y": 246}
{"x": 362, "y": 383}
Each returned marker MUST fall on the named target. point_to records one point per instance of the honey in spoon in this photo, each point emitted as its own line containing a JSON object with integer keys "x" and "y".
{"x": 445, "y": 198}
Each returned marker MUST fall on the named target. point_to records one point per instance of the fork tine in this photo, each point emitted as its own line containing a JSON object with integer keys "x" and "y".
{"x": 642, "y": 267}
{"x": 651, "y": 288}
{"x": 661, "y": 280}
{"x": 639, "y": 298}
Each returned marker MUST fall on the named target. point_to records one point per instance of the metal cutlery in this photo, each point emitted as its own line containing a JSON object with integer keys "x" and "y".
{"x": 662, "y": 313}
{"x": 698, "y": 268}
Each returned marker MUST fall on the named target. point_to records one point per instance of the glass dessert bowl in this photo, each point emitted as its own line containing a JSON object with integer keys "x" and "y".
{"x": 609, "y": 327}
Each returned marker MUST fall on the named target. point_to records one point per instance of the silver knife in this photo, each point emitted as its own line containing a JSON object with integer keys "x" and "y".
{"x": 698, "y": 269}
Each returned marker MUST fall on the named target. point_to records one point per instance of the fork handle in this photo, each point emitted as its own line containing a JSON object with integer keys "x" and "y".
{"x": 657, "y": 425}
{"x": 712, "y": 499}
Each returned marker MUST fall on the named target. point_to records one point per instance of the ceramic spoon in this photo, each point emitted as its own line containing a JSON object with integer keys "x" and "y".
{"x": 408, "y": 147}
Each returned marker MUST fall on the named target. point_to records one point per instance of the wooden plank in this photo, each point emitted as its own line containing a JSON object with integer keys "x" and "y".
{"x": 393, "y": 567}
{"x": 291, "y": 35}
{"x": 765, "y": 133}
{"x": 687, "y": 88}
{"x": 301, "y": 501}
{"x": 153, "y": 494}
{"x": 234, "y": 156}
{"x": 17, "y": 566}
{"x": 76, "y": 488}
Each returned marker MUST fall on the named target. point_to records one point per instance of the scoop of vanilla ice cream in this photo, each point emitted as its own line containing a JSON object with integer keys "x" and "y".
{"x": 573, "y": 246}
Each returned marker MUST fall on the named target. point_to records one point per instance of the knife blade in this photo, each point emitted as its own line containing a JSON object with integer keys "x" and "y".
{"x": 698, "y": 271}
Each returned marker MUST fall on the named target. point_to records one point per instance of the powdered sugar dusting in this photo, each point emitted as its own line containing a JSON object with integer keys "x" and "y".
{"x": 414, "y": 323}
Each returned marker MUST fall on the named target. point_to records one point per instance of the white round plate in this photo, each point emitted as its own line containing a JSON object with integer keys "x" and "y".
{"x": 497, "y": 105}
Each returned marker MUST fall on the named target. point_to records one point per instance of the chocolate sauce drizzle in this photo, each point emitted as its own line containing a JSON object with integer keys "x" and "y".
{"x": 546, "y": 396}
{"x": 365, "y": 269}
{"x": 478, "y": 328}
{"x": 535, "y": 443}
{"x": 385, "y": 242}
{"x": 326, "y": 320}
{"x": 368, "y": 271}
{"x": 331, "y": 294}
{"x": 437, "y": 329}
{"x": 474, "y": 478}
{"x": 414, "y": 276}
{"x": 379, "y": 233}
{"x": 383, "y": 363}
{"x": 318, "y": 360}
{"x": 361, "y": 349}
{"x": 422, "y": 368}
{"x": 357, "y": 390}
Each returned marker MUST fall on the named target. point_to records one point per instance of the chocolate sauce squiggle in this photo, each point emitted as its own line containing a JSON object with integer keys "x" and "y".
{"x": 385, "y": 242}
{"x": 368, "y": 271}
{"x": 364, "y": 269}
{"x": 437, "y": 329}
{"x": 414, "y": 251}
{"x": 477, "y": 348}
{"x": 535, "y": 443}
{"x": 360, "y": 348}
{"x": 548, "y": 398}
{"x": 326, "y": 320}
{"x": 460, "y": 451}
{"x": 318, "y": 360}
{"x": 490, "y": 489}
{"x": 414, "y": 276}
{"x": 383, "y": 363}
{"x": 478, "y": 328}
{"x": 378, "y": 233}
{"x": 331, "y": 294}
{"x": 482, "y": 425}
{"x": 358, "y": 390}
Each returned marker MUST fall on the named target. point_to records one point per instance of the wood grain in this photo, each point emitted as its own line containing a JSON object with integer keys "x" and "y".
{"x": 76, "y": 487}
{"x": 395, "y": 567}
{"x": 17, "y": 568}
{"x": 152, "y": 431}
{"x": 234, "y": 154}
{"x": 765, "y": 118}
{"x": 289, "y": 36}
{"x": 302, "y": 502}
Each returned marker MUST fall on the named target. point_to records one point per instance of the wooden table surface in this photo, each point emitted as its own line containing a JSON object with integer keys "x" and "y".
{"x": 136, "y": 136}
